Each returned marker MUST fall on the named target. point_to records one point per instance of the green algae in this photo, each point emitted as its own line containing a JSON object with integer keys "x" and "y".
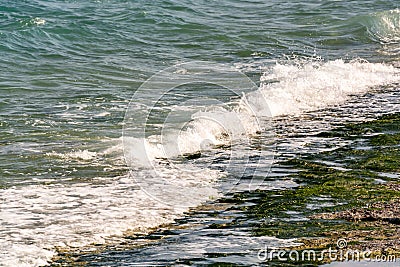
{"x": 294, "y": 213}
{"x": 385, "y": 140}
{"x": 389, "y": 124}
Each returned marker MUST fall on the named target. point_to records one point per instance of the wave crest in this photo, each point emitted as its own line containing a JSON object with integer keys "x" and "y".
{"x": 384, "y": 27}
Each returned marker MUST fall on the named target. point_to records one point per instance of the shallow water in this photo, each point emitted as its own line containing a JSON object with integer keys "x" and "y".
{"x": 70, "y": 179}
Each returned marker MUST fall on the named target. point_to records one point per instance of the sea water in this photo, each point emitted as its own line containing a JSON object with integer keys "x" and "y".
{"x": 74, "y": 175}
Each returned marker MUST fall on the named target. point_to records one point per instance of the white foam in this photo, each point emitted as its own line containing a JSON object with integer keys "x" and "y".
{"x": 293, "y": 89}
{"x": 37, "y": 218}
{"x": 102, "y": 114}
{"x": 206, "y": 129}
{"x": 286, "y": 89}
{"x": 78, "y": 154}
{"x": 385, "y": 26}
{"x": 38, "y": 21}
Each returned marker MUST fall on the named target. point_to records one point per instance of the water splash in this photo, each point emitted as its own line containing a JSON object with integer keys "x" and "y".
{"x": 290, "y": 89}
{"x": 384, "y": 27}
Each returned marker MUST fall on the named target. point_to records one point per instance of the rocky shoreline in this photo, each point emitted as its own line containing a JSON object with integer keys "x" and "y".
{"x": 354, "y": 199}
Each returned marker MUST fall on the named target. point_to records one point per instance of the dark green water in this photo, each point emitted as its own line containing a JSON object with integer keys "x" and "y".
{"x": 69, "y": 70}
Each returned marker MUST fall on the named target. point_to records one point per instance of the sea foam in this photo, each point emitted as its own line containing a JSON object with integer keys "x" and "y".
{"x": 38, "y": 218}
{"x": 286, "y": 89}
{"x": 290, "y": 89}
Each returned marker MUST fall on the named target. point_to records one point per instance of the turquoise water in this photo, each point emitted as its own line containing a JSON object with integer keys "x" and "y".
{"x": 70, "y": 69}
